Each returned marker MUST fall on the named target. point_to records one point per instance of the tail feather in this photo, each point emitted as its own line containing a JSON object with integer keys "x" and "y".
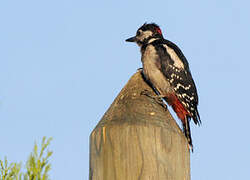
{"x": 196, "y": 117}
{"x": 187, "y": 132}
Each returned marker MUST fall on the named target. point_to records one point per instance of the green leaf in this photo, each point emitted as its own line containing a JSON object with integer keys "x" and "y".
{"x": 37, "y": 166}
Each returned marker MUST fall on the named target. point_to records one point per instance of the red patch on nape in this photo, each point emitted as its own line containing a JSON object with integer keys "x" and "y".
{"x": 158, "y": 30}
{"x": 177, "y": 107}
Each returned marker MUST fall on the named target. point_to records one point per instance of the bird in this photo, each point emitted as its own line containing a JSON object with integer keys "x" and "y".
{"x": 167, "y": 71}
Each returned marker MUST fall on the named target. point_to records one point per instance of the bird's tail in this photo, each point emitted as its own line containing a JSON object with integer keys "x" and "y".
{"x": 187, "y": 132}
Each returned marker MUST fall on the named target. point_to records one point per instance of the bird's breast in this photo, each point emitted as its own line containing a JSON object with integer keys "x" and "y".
{"x": 152, "y": 71}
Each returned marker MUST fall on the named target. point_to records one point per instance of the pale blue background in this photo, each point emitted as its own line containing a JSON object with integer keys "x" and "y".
{"x": 62, "y": 63}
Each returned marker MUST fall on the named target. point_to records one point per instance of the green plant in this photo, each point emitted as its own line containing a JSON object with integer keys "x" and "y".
{"x": 37, "y": 165}
{"x": 9, "y": 172}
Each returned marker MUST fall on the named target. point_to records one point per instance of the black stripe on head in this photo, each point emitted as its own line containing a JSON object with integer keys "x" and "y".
{"x": 152, "y": 27}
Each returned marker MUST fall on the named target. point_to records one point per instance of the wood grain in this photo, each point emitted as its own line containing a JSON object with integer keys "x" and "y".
{"x": 138, "y": 139}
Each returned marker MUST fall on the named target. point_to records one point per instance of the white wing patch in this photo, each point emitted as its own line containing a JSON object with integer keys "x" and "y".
{"x": 180, "y": 85}
{"x": 177, "y": 62}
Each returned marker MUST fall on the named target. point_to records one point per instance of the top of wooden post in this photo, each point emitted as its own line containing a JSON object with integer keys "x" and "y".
{"x": 137, "y": 138}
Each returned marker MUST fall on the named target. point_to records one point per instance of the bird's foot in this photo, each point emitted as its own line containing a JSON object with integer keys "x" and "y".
{"x": 139, "y": 69}
{"x": 157, "y": 98}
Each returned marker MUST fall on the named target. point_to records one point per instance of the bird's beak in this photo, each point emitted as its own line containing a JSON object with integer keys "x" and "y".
{"x": 132, "y": 39}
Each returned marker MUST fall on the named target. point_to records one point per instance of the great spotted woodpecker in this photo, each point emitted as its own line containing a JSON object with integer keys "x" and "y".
{"x": 166, "y": 69}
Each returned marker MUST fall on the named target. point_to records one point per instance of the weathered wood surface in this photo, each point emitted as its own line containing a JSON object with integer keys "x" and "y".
{"x": 137, "y": 139}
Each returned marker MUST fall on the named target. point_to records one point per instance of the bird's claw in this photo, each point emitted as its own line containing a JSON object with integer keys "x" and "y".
{"x": 139, "y": 69}
{"x": 157, "y": 98}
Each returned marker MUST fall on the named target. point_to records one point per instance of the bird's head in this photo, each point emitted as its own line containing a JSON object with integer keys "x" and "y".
{"x": 147, "y": 33}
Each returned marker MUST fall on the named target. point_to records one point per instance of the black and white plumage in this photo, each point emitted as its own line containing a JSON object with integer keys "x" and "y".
{"x": 167, "y": 70}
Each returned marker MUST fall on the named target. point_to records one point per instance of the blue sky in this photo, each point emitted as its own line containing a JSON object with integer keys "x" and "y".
{"x": 62, "y": 63}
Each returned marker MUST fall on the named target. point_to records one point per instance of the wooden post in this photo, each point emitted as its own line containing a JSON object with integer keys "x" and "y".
{"x": 138, "y": 139}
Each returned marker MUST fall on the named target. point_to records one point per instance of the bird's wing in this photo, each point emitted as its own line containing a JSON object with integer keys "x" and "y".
{"x": 179, "y": 76}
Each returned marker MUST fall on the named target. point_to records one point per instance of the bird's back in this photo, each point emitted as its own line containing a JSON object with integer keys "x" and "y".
{"x": 164, "y": 64}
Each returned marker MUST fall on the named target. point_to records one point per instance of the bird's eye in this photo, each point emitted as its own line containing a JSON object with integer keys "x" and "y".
{"x": 138, "y": 33}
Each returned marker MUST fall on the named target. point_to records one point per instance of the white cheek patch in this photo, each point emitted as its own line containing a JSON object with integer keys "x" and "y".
{"x": 145, "y": 35}
{"x": 177, "y": 62}
{"x": 152, "y": 39}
